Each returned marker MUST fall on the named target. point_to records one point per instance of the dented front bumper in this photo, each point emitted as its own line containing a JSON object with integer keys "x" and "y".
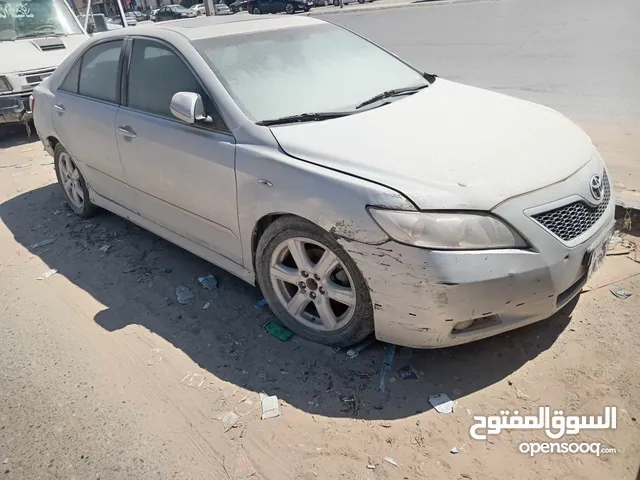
{"x": 420, "y": 295}
{"x": 15, "y": 109}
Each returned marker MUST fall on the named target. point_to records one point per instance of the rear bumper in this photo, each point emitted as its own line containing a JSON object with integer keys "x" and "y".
{"x": 15, "y": 109}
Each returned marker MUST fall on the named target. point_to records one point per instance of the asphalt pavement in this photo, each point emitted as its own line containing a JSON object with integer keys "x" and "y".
{"x": 580, "y": 57}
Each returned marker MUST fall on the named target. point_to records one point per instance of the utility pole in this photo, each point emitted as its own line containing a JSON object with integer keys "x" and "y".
{"x": 209, "y": 8}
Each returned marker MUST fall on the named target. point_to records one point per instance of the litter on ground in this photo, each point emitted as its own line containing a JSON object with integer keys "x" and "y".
{"x": 208, "y": 282}
{"x": 270, "y": 406}
{"x": 442, "y": 403}
{"x": 183, "y": 295}
{"x": 355, "y": 351}
{"x": 391, "y": 461}
{"x": 48, "y": 241}
{"x": 620, "y": 292}
{"x": 279, "y": 331}
{"x": 386, "y": 364}
{"x": 47, "y": 274}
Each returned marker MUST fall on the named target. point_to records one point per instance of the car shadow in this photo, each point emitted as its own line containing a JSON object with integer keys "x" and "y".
{"x": 135, "y": 273}
{"x": 15, "y": 135}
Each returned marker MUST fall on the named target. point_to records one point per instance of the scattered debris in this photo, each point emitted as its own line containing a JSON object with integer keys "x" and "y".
{"x": 167, "y": 270}
{"x": 620, "y": 292}
{"x": 391, "y": 461}
{"x": 47, "y": 274}
{"x": 371, "y": 467}
{"x": 355, "y": 351}
{"x": 130, "y": 268}
{"x": 206, "y": 305}
{"x": 270, "y": 406}
{"x": 385, "y": 424}
{"x": 279, "y": 331}
{"x": 454, "y": 450}
{"x": 262, "y": 303}
{"x": 386, "y": 364}
{"x": 456, "y": 392}
{"x": 193, "y": 380}
{"x": 154, "y": 353}
{"x": 442, "y": 403}
{"x": 208, "y": 282}
{"x": 48, "y": 241}
{"x": 408, "y": 373}
{"x": 183, "y": 295}
{"x": 8, "y": 166}
{"x": 418, "y": 423}
{"x": 45, "y": 164}
{"x": 520, "y": 394}
{"x": 104, "y": 248}
{"x": 228, "y": 420}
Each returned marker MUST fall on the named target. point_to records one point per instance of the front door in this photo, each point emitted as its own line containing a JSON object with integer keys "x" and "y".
{"x": 84, "y": 117}
{"x": 183, "y": 175}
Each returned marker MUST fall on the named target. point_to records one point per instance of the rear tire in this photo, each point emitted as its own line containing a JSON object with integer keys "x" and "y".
{"x": 336, "y": 3}
{"x": 255, "y": 11}
{"x": 334, "y": 306}
{"x": 289, "y": 8}
{"x": 76, "y": 194}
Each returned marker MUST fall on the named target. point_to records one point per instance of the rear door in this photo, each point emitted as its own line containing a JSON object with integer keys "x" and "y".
{"x": 84, "y": 117}
{"x": 183, "y": 175}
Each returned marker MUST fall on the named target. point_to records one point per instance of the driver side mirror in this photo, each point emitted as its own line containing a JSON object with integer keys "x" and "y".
{"x": 91, "y": 28}
{"x": 188, "y": 107}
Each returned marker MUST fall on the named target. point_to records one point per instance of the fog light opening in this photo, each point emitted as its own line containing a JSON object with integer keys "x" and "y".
{"x": 458, "y": 327}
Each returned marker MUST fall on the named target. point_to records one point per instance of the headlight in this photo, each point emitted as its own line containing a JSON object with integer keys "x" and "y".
{"x": 447, "y": 231}
{"x": 5, "y": 86}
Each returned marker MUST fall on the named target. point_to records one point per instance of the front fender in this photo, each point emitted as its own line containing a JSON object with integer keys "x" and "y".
{"x": 271, "y": 182}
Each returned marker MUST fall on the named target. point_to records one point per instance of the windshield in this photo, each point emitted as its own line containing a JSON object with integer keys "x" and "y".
{"x": 285, "y": 72}
{"x": 35, "y": 18}
{"x": 179, "y": 8}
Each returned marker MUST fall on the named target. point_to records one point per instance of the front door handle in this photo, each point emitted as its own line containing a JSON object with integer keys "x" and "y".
{"x": 127, "y": 131}
{"x": 59, "y": 108}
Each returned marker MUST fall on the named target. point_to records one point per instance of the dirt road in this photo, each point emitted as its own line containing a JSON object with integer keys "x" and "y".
{"x": 103, "y": 374}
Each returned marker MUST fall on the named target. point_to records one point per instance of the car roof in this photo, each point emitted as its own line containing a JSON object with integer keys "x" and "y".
{"x": 218, "y": 26}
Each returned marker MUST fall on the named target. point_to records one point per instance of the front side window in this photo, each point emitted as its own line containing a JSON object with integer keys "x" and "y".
{"x": 156, "y": 74}
{"x": 99, "y": 72}
{"x": 285, "y": 72}
{"x": 35, "y": 18}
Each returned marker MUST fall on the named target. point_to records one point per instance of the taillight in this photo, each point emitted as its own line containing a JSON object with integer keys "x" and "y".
{"x": 32, "y": 103}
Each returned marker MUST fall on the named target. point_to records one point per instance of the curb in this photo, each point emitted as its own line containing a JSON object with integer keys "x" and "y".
{"x": 377, "y": 7}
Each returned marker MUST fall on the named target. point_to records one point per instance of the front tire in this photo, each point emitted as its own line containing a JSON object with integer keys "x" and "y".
{"x": 72, "y": 183}
{"x": 312, "y": 284}
{"x": 336, "y": 3}
{"x": 289, "y": 8}
{"x": 256, "y": 11}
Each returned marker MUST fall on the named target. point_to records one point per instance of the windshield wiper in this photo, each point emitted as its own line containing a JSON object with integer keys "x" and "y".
{"x": 304, "y": 117}
{"x": 391, "y": 93}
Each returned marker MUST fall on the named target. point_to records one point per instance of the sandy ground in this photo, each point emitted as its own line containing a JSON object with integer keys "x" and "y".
{"x": 104, "y": 375}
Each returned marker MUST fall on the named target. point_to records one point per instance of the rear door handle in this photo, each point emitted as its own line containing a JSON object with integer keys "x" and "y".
{"x": 126, "y": 131}
{"x": 59, "y": 108}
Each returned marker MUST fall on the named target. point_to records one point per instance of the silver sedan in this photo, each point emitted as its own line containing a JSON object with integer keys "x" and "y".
{"x": 402, "y": 203}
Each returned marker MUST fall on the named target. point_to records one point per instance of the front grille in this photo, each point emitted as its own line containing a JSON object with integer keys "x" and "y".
{"x": 35, "y": 77}
{"x": 571, "y": 221}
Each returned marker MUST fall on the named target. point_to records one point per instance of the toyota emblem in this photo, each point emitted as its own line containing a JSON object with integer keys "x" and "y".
{"x": 597, "y": 187}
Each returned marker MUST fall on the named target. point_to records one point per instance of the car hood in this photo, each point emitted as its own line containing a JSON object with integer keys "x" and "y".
{"x": 25, "y": 55}
{"x": 448, "y": 146}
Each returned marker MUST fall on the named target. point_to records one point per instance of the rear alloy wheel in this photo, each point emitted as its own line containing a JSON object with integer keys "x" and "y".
{"x": 336, "y": 3}
{"x": 289, "y": 8}
{"x": 312, "y": 284}
{"x": 72, "y": 183}
{"x": 256, "y": 11}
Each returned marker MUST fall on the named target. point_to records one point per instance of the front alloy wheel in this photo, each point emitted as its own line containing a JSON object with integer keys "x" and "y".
{"x": 312, "y": 284}
{"x": 289, "y": 8}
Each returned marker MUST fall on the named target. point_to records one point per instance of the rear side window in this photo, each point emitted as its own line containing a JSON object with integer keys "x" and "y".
{"x": 156, "y": 74}
{"x": 70, "y": 83}
{"x": 99, "y": 72}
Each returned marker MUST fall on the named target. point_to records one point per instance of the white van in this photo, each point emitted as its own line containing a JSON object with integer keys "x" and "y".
{"x": 35, "y": 36}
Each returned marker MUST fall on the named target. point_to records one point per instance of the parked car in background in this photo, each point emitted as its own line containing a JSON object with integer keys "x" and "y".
{"x": 173, "y": 12}
{"x": 257, "y": 7}
{"x": 346, "y": 2}
{"x": 131, "y": 18}
{"x": 494, "y": 220}
{"x": 238, "y": 6}
{"x": 99, "y": 23}
{"x": 32, "y": 45}
{"x": 140, "y": 16}
{"x": 221, "y": 9}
